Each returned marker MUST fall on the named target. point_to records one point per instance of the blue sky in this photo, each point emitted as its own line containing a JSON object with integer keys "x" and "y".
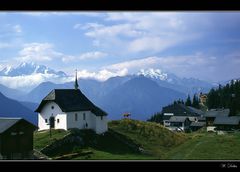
{"x": 203, "y": 45}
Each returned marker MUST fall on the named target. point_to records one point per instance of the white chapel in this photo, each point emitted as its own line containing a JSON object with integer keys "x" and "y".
{"x": 70, "y": 108}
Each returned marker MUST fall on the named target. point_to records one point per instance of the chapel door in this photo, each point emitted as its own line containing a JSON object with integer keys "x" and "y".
{"x": 52, "y": 122}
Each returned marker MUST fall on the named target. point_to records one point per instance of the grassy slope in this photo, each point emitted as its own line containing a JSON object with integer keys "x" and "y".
{"x": 208, "y": 146}
{"x": 155, "y": 139}
{"x": 42, "y": 139}
{"x": 152, "y": 137}
{"x": 103, "y": 147}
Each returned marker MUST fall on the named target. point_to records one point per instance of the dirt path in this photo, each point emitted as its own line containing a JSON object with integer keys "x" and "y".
{"x": 193, "y": 149}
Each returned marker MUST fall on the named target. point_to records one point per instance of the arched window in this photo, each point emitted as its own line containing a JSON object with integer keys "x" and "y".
{"x": 76, "y": 116}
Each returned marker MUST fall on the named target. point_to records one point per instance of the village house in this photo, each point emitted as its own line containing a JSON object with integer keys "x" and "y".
{"x": 194, "y": 126}
{"x": 186, "y": 113}
{"x": 211, "y": 114}
{"x": 179, "y": 123}
{"x": 227, "y": 123}
{"x": 70, "y": 108}
{"x": 219, "y": 119}
{"x": 16, "y": 138}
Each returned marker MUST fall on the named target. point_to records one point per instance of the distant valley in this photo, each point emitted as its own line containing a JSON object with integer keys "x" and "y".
{"x": 140, "y": 94}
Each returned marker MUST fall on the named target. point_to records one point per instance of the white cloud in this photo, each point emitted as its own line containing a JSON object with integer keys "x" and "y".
{"x": 40, "y": 52}
{"x": 45, "y": 14}
{"x": 150, "y": 44}
{"x": 10, "y": 31}
{"x": 92, "y": 55}
{"x": 17, "y": 28}
{"x": 103, "y": 74}
{"x": 137, "y": 32}
{"x": 99, "y": 30}
{"x": 29, "y": 81}
{"x": 68, "y": 58}
{"x": 77, "y": 26}
{"x": 151, "y": 21}
{"x": 37, "y": 52}
{"x": 35, "y": 14}
{"x": 134, "y": 64}
{"x": 87, "y": 26}
{"x": 180, "y": 65}
{"x": 85, "y": 56}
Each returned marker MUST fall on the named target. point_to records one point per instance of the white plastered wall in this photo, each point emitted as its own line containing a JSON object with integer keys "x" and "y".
{"x": 101, "y": 124}
{"x": 47, "y": 112}
{"x": 80, "y": 122}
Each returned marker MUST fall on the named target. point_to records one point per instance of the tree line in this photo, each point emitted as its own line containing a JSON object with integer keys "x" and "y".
{"x": 227, "y": 96}
{"x": 194, "y": 102}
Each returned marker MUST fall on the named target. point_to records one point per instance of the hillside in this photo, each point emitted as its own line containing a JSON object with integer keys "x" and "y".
{"x": 84, "y": 144}
{"x": 139, "y": 96}
{"x": 152, "y": 137}
{"x": 133, "y": 140}
{"x": 11, "y": 93}
{"x": 13, "y": 108}
{"x": 207, "y": 146}
{"x": 126, "y": 139}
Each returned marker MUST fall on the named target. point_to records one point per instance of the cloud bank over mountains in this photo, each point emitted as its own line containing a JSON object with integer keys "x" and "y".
{"x": 105, "y": 44}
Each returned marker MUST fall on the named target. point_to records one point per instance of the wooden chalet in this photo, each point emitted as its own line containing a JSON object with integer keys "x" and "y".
{"x": 16, "y": 138}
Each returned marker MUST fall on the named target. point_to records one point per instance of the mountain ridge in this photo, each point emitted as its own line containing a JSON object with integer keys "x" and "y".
{"x": 13, "y": 108}
{"x": 28, "y": 69}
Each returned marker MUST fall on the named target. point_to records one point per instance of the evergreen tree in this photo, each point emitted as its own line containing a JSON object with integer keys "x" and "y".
{"x": 195, "y": 102}
{"x": 188, "y": 101}
{"x": 227, "y": 96}
{"x": 182, "y": 102}
{"x": 157, "y": 117}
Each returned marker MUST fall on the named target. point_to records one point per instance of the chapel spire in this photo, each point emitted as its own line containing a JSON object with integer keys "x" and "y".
{"x": 76, "y": 82}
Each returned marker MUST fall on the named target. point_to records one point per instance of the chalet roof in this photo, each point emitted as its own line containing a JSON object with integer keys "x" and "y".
{"x": 6, "y": 123}
{"x": 226, "y": 120}
{"x": 201, "y": 118}
{"x": 181, "y": 110}
{"x": 178, "y": 119}
{"x": 197, "y": 124}
{"x": 195, "y": 110}
{"x": 217, "y": 112}
{"x": 70, "y": 100}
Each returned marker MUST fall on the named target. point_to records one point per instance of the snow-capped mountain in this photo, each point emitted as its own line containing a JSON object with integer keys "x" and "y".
{"x": 29, "y": 69}
{"x": 169, "y": 80}
{"x": 158, "y": 74}
{"x": 153, "y": 73}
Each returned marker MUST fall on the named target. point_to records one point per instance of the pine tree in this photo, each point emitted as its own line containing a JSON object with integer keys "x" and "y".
{"x": 188, "y": 101}
{"x": 182, "y": 102}
{"x": 195, "y": 101}
{"x": 227, "y": 96}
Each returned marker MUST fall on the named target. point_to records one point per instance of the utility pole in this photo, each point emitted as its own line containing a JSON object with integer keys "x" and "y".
{"x": 50, "y": 131}
{"x": 51, "y": 125}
